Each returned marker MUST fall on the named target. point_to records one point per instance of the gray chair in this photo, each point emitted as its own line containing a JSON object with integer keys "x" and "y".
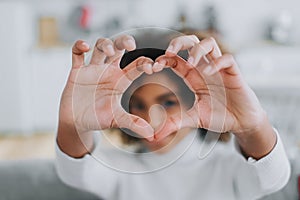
{"x": 35, "y": 180}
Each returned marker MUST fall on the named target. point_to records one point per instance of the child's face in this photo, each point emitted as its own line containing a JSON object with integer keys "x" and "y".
{"x": 159, "y": 95}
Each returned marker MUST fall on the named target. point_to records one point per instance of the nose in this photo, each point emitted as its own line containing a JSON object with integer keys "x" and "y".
{"x": 158, "y": 116}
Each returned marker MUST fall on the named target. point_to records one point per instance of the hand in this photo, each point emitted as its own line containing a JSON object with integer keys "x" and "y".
{"x": 92, "y": 97}
{"x": 223, "y": 100}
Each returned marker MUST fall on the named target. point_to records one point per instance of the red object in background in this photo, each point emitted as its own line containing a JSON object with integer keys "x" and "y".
{"x": 85, "y": 17}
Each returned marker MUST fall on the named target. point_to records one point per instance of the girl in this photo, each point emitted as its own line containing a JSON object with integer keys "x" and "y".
{"x": 161, "y": 100}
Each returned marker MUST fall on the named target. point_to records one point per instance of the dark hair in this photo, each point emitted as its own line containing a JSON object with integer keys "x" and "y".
{"x": 130, "y": 56}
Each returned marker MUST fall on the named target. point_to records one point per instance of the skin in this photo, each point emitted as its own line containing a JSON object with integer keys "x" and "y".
{"x": 88, "y": 93}
{"x": 156, "y": 101}
{"x": 215, "y": 79}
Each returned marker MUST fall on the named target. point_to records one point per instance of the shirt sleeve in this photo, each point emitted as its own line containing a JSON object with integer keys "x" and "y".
{"x": 85, "y": 173}
{"x": 257, "y": 178}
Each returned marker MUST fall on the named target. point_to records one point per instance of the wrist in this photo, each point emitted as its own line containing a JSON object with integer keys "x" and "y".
{"x": 257, "y": 141}
{"x": 70, "y": 141}
{"x": 253, "y": 125}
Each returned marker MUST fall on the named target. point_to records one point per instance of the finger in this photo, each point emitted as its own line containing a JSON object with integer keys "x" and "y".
{"x": 210, "y": 46}
{"x": 121, "y": 43}
{"x": 190, "y": 75}
{"x": 207, "y": 46}
{"x": 133, "y": 70}
{"x": 125, "y": 42}
{"x": 136, "y": 124}
{"x": 78, "y": 50}
{"x": 195, "y": 54}
{"x": 103, "y": 49}
{"x": 147, "y": 69}
{"x": 225, "y": 62}
{"x": 181, "y": 43}
{"x": 159, "y": 66}
{"x": 170, "y": 126}
{"x": 175, "y": 123}
{"x": 179, "y": 65}
{"x": 145, "y": 65}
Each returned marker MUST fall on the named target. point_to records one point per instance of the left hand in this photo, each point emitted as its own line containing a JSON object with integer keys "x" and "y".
{"x": 223, "y": 100}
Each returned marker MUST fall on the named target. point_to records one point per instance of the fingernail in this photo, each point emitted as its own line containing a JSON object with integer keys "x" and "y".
{"x": 160, "y": 63}
{"x": 86, "y": 45}
{"x": 130, "y": 43}
{"x": 191, "y": 60}
{"x": 149, "y": 66}
{"x": 208, "y": 70}
{"x": 170, "y": 48}
{"x": 110, "y": 48}
{"x": 148, "y": 69}
{"x": 156, "y": 67}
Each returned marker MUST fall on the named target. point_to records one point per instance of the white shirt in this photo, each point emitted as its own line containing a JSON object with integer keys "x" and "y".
{"x": 111, "y": 173}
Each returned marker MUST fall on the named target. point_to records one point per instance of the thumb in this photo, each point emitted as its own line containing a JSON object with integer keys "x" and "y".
{"x": 132, "y": 71}
{"x": 134, "y": 126}
{"x": 137, "y": 67}
{"x": 175, "y": 123}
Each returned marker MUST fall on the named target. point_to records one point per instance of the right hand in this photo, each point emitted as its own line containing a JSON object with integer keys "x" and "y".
{"x": 92, "y": 97}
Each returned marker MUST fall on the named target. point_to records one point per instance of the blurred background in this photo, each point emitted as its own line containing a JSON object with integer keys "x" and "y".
{"x": 36, "y": 39}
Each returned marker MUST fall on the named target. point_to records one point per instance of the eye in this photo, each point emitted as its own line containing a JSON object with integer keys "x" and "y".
{"x": 169, "y": 103}
{"x": 137, "y": 106}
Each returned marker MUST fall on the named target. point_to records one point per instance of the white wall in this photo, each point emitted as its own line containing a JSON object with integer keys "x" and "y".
{"x": 31, "y": 79}
{"x": 16, "y": 36}
{"x": 241, "y": 22}
{"x": 49, "y": 71}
